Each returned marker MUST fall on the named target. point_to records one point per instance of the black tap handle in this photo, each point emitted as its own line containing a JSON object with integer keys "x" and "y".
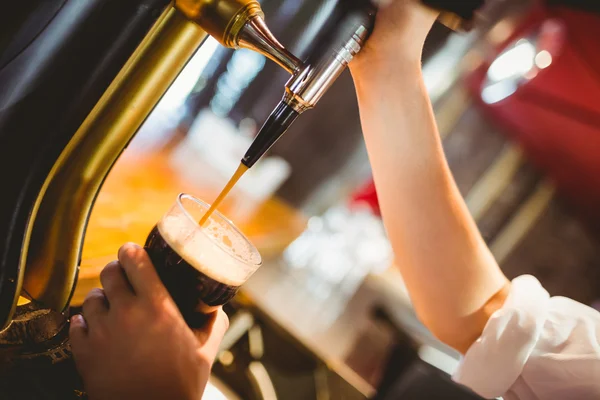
{"x": 276, "y": 125}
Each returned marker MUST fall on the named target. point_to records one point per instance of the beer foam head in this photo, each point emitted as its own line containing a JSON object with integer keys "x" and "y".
{"x": 217, "y": 249}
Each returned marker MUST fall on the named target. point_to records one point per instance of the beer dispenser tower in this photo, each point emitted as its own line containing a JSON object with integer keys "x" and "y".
{"x": 77, "y": 80}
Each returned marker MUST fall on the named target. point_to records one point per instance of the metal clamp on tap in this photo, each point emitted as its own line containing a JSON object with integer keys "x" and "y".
{"x": 307, "y": 87}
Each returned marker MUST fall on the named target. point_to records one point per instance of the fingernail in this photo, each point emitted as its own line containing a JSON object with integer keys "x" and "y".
{"x": 128, "y": 246}
{"x": 78, "y": 319}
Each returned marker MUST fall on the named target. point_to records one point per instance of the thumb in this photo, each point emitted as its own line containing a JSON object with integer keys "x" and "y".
{"x": 212, "y": 334}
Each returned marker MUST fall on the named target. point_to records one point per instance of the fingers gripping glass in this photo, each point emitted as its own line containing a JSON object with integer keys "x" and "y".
{"x": 202, "y": 267}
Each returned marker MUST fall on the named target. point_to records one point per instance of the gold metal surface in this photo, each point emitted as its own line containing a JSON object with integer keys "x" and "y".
{"x": 53, "y": 243}
{"x": 222, "y": 19}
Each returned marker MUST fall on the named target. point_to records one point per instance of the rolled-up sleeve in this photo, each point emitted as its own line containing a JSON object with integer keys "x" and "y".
{"x": 535, "y": 347}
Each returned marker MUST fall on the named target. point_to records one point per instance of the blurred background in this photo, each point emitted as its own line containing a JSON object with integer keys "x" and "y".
{"x": 516, "y": 101}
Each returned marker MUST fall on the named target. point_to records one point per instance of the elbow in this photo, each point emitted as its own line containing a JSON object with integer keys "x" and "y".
{"x": 461, "y": 331}
{"x": 460, "y": 338}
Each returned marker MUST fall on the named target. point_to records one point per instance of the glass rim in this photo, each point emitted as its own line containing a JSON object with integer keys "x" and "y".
{"x": 224, "y": 248}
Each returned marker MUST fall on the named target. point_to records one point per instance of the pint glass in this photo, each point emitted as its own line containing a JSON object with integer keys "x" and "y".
{"x": 202, "y": 267}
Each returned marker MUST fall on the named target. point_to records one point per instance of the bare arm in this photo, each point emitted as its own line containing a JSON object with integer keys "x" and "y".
{"x": 453, "y": 280}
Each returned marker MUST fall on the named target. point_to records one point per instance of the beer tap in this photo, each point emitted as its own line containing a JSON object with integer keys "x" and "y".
{"x": 350, "y": 24}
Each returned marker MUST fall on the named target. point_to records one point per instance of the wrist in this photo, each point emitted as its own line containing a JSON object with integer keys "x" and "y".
{"x": 378, "y": 76}
{"x": 371, "y": 63}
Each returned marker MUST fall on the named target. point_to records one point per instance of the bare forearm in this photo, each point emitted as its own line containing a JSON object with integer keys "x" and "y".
{"x": 452, "y": 278}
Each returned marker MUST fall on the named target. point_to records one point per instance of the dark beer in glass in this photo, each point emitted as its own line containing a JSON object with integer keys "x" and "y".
{"x": 202, "y": 267}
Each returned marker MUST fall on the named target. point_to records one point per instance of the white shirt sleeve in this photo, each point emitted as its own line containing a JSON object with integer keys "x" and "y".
{"x": 535, "y": 348}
